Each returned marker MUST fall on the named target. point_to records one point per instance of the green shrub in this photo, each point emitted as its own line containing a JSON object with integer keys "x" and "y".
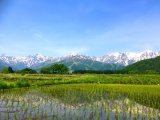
{"x": 11, "y": 86}
{"x": 3, "y": 85}
{"x": 23, "y": 83}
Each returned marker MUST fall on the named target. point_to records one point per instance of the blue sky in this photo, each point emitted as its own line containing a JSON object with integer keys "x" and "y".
{"x": 91, "y": 27}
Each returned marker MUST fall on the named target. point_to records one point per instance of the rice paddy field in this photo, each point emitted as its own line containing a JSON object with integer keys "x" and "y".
{"x": 79, "y": 97}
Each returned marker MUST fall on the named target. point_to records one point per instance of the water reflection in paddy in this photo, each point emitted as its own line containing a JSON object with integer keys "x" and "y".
{"x": 50, "y": 103}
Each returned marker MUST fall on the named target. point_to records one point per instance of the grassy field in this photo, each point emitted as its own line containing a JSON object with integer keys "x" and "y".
{"x": 18, "y": 80}
{"x": 80, "y": 97}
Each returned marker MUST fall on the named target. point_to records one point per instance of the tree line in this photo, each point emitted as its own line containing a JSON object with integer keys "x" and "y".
{"x": 100, "y": 71}
{"x": 53, "y": 69}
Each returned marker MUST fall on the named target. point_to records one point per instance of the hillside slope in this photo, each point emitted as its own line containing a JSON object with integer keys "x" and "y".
{"x": 2, "y": 65}
{"x": 145, "y": 66}
{"x": 86, "y": 64}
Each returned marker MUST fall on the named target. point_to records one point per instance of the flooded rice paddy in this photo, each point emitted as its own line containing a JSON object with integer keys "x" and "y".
{"x": 81, "y": 102}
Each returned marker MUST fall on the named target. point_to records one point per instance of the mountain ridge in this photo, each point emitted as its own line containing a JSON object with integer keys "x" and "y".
{"x": 39, "y": 60}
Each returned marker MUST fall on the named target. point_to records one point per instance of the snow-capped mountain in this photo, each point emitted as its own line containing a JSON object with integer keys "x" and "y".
{"x": 32, "y": 61}
{"x": 28, "y": 60}
{"x": 20, "y": 62}
{"x": 128, "y": 57}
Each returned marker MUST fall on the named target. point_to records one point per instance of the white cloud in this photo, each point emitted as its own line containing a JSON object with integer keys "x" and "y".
{"x": 40, "y": 37}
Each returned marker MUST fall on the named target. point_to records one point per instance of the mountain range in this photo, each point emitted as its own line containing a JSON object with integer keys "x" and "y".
{"x": 76, "y": 61}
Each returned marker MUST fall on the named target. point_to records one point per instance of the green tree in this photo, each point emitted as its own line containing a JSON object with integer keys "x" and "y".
{"x": 45, "y": 70}
{"x": 55, "y": 68}
{"x": 7, "y": 70}
{"x": 59, "y": 68}
{"x": 27, "y": 71}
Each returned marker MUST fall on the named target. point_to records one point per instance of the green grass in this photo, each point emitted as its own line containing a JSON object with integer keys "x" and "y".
{"x": 82, "y": 99}
{"x": 98, "y": 95}
{"x": 144, "y": 94}
{"x": 41, "y": 80}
